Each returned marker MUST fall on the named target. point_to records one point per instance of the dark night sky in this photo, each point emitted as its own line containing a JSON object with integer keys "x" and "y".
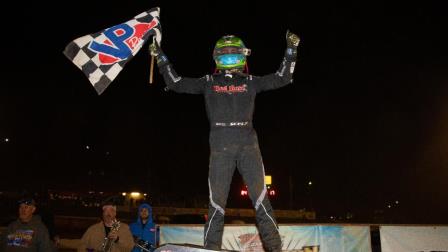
{"x": 365, "y": 119}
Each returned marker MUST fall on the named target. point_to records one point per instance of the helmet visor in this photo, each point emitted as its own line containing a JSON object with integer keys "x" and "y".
{"x": 230, "y": 60}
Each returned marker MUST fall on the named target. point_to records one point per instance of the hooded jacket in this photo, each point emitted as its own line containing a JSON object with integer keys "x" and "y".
{"x": 31, "y": 236}
{"x": 146, "y": 232}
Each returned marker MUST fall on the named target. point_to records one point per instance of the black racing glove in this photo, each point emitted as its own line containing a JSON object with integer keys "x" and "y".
{"x": 157, "y": 52}
{"x": 292, "y": 42}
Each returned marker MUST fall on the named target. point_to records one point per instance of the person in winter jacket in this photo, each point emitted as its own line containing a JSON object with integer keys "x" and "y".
{"x": 109, "y": 232}
{"x": 144, "y": 229}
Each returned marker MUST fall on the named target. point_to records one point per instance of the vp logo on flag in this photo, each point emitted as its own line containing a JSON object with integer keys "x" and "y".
{"x": 119, "y": 42}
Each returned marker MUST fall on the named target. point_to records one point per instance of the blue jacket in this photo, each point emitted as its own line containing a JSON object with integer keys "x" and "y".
{"x": 148, "y": 231}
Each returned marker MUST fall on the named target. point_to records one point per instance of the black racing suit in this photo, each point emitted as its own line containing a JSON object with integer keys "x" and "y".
{"x": 230, "y": 100}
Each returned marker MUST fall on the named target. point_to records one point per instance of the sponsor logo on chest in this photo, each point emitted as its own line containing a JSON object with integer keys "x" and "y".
{"x": 230, "y": 89}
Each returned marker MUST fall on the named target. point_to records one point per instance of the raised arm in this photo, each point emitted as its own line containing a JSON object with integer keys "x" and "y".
{"x": 284, "y": 74}
{"x": 172, "y": 80}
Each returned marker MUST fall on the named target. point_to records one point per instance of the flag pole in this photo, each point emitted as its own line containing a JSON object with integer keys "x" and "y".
{"x": 151, "y": 67}
{"x": 151, "y": 70}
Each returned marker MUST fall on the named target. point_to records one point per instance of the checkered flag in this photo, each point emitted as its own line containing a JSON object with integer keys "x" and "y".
{"x": 102, "y": 55}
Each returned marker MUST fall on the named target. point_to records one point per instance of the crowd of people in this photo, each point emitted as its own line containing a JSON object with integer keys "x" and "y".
{"x": 29, "y": 233}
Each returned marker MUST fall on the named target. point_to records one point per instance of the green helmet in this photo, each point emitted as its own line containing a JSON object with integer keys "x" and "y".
{"x": 230, "y": 53}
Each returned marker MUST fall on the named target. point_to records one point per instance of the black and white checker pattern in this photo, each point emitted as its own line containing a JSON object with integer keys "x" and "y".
{"x": 101, "y": 75}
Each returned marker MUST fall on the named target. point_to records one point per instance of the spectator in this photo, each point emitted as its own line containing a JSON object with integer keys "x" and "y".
{"x": 108, "y": 234}
{"x": 27, "y": 233}
{"x": 144, "y": 230}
